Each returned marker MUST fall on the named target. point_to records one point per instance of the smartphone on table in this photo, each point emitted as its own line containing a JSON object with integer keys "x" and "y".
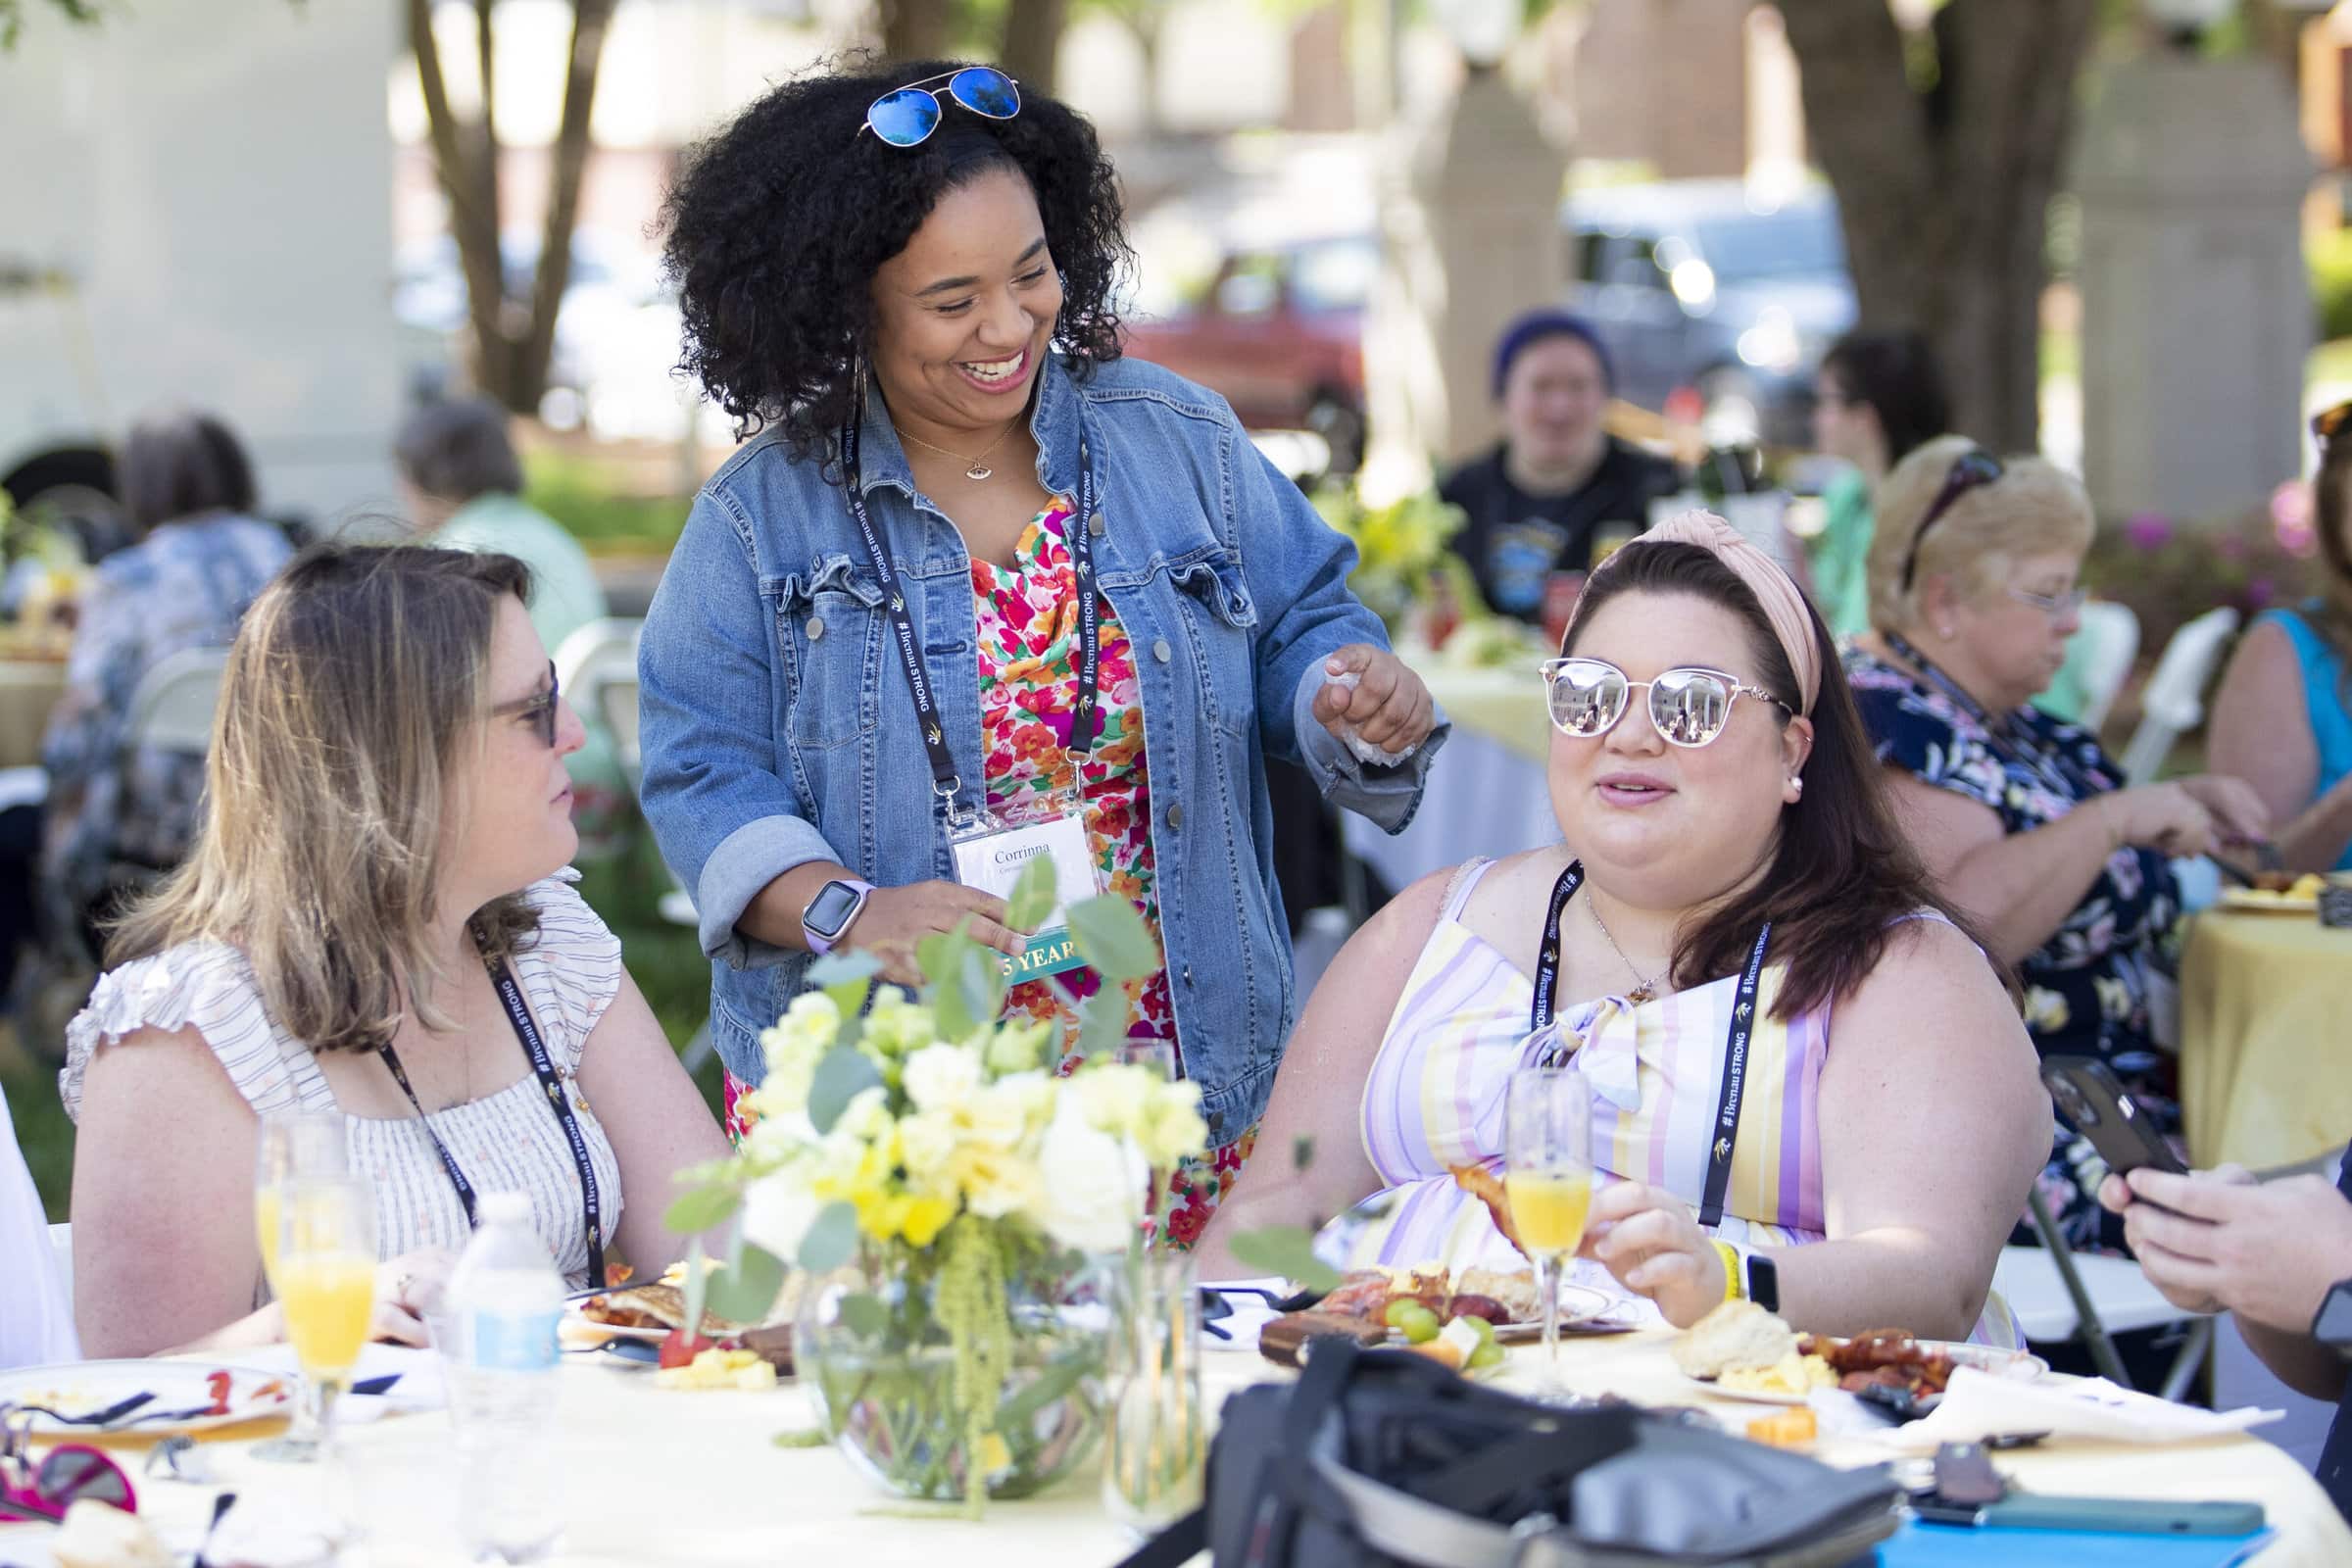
{"x": 2088, "y": 1094}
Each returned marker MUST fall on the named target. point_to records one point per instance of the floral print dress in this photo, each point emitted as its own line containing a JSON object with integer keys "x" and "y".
{"x": 2088, "y": 987}
{"x": 1027, "y": 616}
{"x": 1028, "y": 624}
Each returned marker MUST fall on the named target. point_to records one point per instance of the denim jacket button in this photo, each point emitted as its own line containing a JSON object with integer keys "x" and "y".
{"x": 1159, "y": 650}
{"x": 1187, "y": 974}
{"x": 817, "y": 627}
{"x": 1093, "y": 525}
{"x": 1175, "y": 817}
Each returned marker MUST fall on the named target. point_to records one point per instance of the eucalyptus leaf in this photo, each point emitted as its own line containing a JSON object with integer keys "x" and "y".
{"x": 943, "y": 959}
{"x": 701, "y": 1208}
{"x": 1288, "y": 1250}
{"x": 832, "y": 1237}
{"x": 846, "y": 977}
{"x": 982, "y": 983}
{"x": 1102, "y": 1024}
{"x": 1032, "y": 896}
{"x": 862, "y": 1313}
{"x": 745, "y": 1289}
{"x": 842, "y": 1075}
{"x": 1113, "y": 938}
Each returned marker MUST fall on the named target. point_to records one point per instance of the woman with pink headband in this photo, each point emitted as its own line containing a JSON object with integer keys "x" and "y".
{"x": 1723, "y": 829}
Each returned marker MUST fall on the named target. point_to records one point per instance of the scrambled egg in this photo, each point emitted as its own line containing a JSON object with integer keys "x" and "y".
{"x": 1793, "y": 1374}
{"x": 747, "y": 1370}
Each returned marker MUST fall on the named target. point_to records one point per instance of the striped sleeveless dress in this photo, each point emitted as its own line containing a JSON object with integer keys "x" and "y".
{"x": 1435, "y": 1098}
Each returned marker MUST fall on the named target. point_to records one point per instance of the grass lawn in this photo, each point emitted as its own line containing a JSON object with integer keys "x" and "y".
{"x": 665, "y": 960}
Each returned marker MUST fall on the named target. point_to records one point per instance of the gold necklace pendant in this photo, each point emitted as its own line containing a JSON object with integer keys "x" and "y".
{"x": 979, "y": 470}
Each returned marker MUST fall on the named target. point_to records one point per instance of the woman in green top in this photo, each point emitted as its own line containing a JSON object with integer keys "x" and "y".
{"x": 1876, "y": 396}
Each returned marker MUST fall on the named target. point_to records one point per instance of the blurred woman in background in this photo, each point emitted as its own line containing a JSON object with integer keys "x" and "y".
{"x": 1877, "y": 397}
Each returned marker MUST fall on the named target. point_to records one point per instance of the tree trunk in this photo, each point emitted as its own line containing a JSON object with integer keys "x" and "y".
{"x": 1944, "y": 192}
{"x": 915, "y": 29}
{"x": 590, "y": 20}
{"x": 1033, "y": 41}
{"x": 472, "y": 209}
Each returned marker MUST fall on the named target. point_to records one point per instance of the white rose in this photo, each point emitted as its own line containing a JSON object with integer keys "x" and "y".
{"x": 926, "y": 1140}
{"x": 1114, "y": 1095}
{"x": 1172, "y": 1127}
{"x": 1092, "y": 1188}
{"x": 941, "y": 1077}
{"x": 1000, "y": 1114}
{"x": 777, "y": 1211}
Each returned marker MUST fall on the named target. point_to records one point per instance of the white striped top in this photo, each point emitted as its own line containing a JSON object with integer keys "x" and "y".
{"x": 509, "y": 1140}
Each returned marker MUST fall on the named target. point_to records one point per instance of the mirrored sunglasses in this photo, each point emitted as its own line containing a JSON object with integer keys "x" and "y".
{"x": 905, "y": 116}
{"x": 1687, "y": 707}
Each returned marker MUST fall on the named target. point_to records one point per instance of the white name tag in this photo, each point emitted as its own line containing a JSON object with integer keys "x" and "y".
{"x": 994, "y": 862}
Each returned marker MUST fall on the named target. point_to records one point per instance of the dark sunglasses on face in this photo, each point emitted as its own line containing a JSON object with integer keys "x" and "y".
{"x": 1689, "y": 707}
{"x": 1969, "y": 470}
{"x": 905, "y": 116}
{"x": 539, "y": 707}
{"x": 65, "y": 1476}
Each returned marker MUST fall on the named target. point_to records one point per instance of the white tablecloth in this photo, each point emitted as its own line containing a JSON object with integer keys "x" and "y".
{"x": 695, "y": 1479}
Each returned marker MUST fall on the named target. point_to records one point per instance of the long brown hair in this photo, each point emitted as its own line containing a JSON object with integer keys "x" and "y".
{"x": 358, "y": 680}
{"x": 1842, "y": 875}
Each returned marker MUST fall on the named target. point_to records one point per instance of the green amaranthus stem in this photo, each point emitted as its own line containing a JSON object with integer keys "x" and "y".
{"x": 979, "y": 1323}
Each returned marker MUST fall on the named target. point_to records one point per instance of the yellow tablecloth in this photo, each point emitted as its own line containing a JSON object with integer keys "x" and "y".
{"x": 28, "y": 689}
{"x": 662, "y": 1478}
{"x": 2266, "y": 1078}
{"x": 1505, "y": 705}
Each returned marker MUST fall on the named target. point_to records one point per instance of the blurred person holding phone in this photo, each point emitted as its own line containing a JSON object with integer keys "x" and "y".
{"x": 2023, "y": 819}
{"x": 1558, "y": 492}
{"x": 2276, "y": 1256}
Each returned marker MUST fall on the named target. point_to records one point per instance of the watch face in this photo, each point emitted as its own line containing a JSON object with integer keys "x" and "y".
{"x": 2334, "y": 1325}
{"x": 829, "y": 911}
{"x": 1764, "y": 1282}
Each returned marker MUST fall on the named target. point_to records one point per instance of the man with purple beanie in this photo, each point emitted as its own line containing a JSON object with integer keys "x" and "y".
{"x": 1558, "y": 492}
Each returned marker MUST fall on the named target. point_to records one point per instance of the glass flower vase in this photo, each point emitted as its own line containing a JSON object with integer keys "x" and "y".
{"x": 875, "y": 1351}
{"x": 1155, "y": 1455}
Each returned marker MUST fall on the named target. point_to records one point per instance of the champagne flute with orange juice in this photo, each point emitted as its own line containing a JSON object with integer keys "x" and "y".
{"x": 1548, "y": 1178}
{"x": 292, "y": 1147}
{"x": 325, "y": 1274}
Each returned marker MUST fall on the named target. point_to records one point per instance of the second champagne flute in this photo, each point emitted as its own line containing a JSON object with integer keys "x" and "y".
{"x": 326, "y": 1290}
{"x": 291, "y": 1147}
{"x": 1547, "y": 1176}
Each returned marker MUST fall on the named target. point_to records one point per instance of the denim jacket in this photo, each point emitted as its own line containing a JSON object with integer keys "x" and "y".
{"x": 778, "y": 729}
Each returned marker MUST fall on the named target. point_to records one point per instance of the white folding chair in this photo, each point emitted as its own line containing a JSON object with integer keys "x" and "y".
{"x": 2059, "y": 1297}
{"x": 2109, "y": 640}
{"x": 172, "y": 708}
{"x": 2173, "y": 703}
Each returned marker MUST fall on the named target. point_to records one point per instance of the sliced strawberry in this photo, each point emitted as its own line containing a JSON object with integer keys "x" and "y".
{"x": 678, "y": 1349}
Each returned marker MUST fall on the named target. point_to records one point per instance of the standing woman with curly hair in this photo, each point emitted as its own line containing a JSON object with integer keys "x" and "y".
{"x": 977, "y": 573}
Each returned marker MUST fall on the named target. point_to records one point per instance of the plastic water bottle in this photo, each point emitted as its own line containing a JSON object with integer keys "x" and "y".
{"x": 504, "y": 1299}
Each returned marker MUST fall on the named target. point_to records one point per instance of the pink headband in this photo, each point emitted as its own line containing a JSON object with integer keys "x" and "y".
{"x": 1783, "y": 603}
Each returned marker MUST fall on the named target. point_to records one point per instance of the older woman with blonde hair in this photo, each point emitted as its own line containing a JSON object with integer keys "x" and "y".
{"x": 372, "y": 925}
{"x": 2023, "y": 820}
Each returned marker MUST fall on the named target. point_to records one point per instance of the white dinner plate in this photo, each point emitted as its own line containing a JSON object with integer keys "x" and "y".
{"x": 578, "y": 1331}
{"x": 1578, "y": 1303}
{"x": 78, "y": 1388}
{"x": 2022, "y": 1365}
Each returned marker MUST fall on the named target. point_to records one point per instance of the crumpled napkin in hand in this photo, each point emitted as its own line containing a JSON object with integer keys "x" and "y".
{"x": 1365, "y": 752}
{"x": 1979, "y": 1405}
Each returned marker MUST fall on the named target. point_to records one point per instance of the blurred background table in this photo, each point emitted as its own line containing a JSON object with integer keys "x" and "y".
{"x": 2264, "y": 1080}
{"x": 28, "y": 689}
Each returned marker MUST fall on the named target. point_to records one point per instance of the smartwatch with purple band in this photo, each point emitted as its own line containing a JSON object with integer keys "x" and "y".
{"x": 828, "y": 916}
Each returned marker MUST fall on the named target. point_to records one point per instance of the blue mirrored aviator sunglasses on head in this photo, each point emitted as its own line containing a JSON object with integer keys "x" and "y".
{"x": 905, "y": 116}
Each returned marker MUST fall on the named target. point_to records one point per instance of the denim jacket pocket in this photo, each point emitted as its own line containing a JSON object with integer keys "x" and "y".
{"x": 1217, "y": 618}
{"x": 829, "y": 644}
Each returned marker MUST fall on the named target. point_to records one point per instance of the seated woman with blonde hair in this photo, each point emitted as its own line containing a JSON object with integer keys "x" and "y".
{"x": 2026, "y": 824}
{"x": 388, "y": 815}
{"x": 1724, "y": 828}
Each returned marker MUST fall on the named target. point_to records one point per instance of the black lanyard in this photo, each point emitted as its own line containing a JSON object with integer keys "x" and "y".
{"x": 2055, "y": 769}
{"x": 544, "y": 1068}
{"x": 1735, "y": 1045}
{"x": 945, "y": 783}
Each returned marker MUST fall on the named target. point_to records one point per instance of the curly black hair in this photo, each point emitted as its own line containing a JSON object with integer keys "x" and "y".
{"x": 778, "y": 225}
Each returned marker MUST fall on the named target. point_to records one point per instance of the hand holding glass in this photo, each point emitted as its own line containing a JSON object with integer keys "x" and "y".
{"x": 1547, "y": 1177}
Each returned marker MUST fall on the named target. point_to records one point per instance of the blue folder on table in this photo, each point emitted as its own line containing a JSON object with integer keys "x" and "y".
{"x": 1925, "y": 1545}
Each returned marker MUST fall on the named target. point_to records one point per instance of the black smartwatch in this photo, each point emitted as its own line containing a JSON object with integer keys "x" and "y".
{"x": 828, "y": 916}
{"x": 1762, "y": 1281}
{"x": 2332, "y": 1324}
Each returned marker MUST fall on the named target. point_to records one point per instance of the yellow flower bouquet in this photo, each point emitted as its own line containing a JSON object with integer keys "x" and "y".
{"x": 959, "y": 1196}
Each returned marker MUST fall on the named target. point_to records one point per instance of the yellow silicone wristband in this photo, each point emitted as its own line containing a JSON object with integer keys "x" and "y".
{"x": 1732, "y": 1290}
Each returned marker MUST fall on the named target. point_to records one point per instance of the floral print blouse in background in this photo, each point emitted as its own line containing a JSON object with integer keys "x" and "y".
{"x": 186, "y": 585}
{"x": 2088, "y": 989}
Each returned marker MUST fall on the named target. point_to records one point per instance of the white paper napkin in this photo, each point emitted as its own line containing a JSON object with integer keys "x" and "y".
{"x": 1978, "y": 1406}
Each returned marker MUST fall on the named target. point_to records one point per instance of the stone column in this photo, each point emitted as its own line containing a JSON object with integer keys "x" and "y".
{"x": 2196, "y": 308}
{"x": 1473, "y": 238}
